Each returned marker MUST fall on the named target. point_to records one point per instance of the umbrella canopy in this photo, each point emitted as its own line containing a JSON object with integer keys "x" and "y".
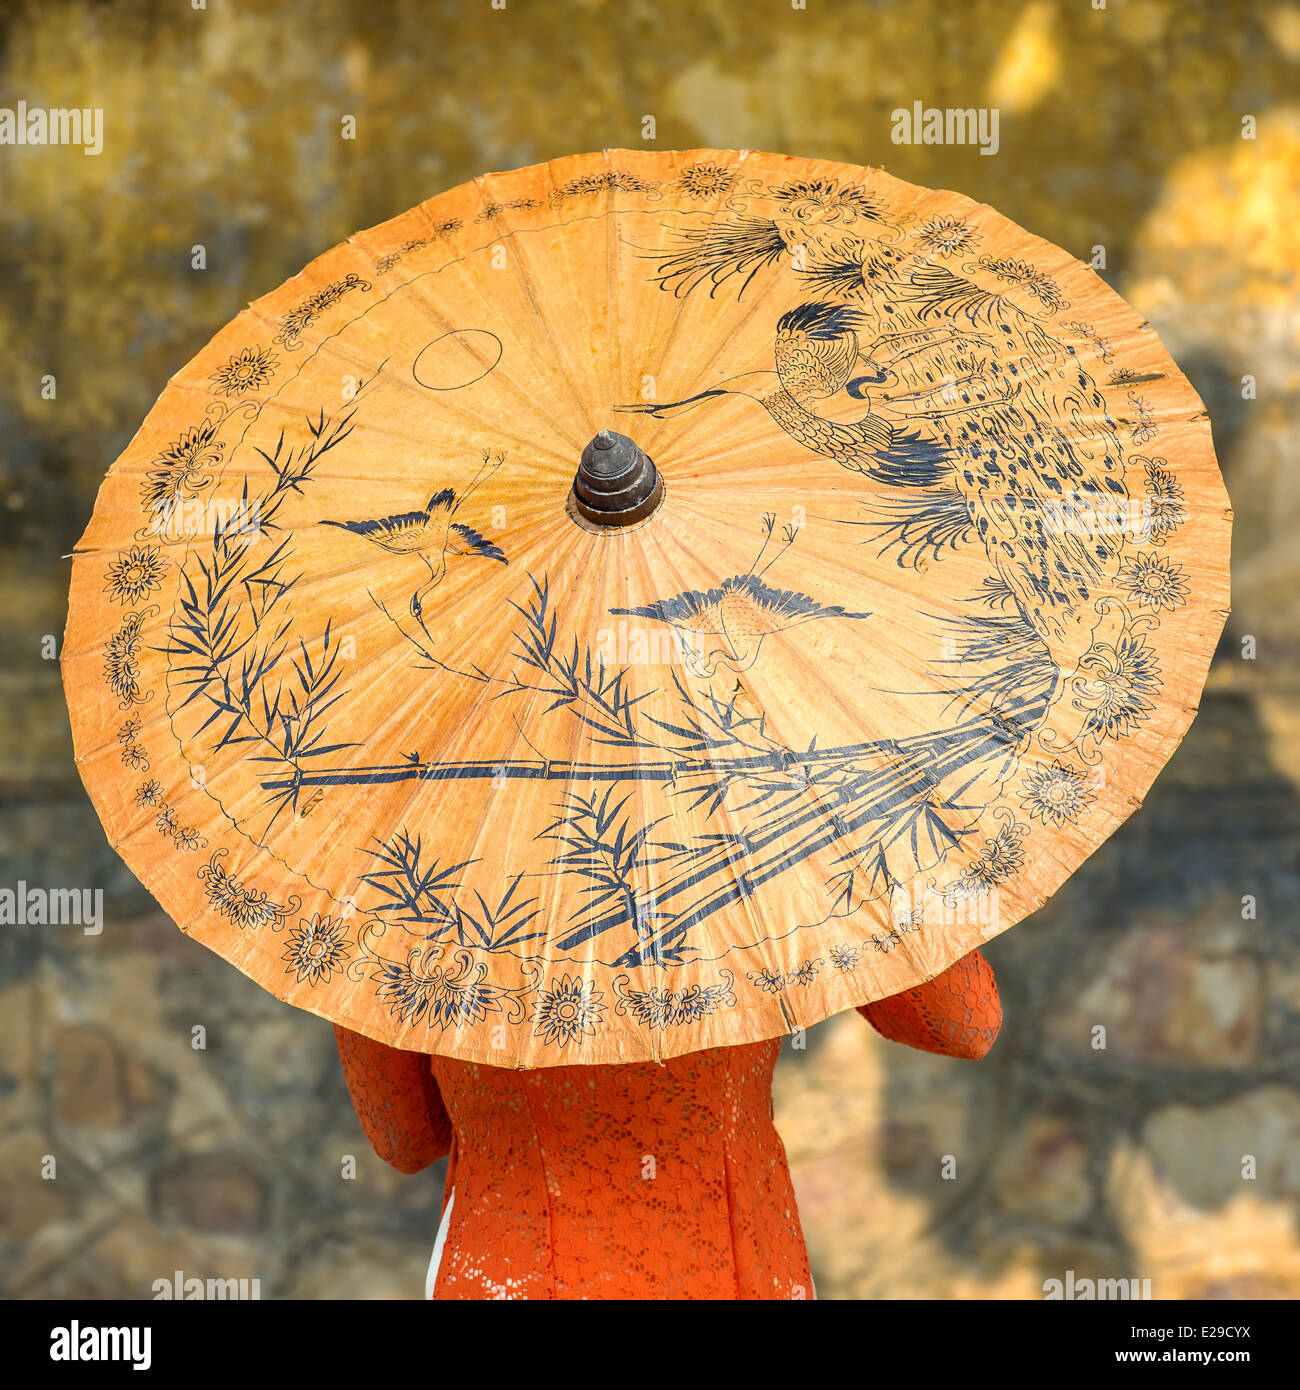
{"x": 642, "y": 603}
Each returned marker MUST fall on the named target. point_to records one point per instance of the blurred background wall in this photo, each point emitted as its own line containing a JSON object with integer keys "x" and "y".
{"x": 1120, "y": 127}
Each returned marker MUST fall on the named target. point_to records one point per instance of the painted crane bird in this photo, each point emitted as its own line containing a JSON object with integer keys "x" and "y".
{"x": 724, "y": 627}
{"x": 970, "y": 434}
{"x": 432, "y": 534}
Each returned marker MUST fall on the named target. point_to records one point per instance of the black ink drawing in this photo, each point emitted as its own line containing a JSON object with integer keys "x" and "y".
{"x": 725, "y": 627}
{"x": 951, "y": 396}
{"x": 431, "y": 535}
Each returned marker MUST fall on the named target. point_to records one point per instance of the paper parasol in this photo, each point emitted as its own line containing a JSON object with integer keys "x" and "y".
{"x": 642, "y": 603}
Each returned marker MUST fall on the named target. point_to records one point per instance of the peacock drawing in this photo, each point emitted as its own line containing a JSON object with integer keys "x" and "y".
{"x": 972, "y": 432}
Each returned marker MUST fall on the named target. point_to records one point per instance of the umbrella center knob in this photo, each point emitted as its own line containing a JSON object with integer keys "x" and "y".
{"x": 617, "y": 482}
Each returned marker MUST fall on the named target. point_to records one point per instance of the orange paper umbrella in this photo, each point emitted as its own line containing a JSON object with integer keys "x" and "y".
{"x": 644, "y": 603}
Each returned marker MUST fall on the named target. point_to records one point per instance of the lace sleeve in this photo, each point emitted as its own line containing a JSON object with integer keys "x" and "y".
{"x": 957, "y": 1014}
{"x": 396, "y": 1100}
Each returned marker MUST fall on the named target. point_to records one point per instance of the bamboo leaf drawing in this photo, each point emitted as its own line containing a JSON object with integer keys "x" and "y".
{"x": 425, "y": 898}
{"x": 230, "y": 643}
{"x": 599, "y": 697}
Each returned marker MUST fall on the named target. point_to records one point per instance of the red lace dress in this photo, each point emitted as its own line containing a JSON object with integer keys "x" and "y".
{"x": 636, "y": 1181}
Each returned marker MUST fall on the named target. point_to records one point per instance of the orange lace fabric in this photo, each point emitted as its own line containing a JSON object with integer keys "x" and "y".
{"x": 957, "y": 1014}
{"x": 639, "y": 1181}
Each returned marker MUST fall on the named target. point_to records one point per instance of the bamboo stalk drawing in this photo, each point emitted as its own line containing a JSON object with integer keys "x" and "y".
{"x": 897, "y": 798}
{"x": 900, "y": 794}
{"x": 876, "y": 792}
{"x": 670, "y": 770}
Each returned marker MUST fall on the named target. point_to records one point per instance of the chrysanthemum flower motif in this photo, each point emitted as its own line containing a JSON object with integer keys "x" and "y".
{"x": 135, "y": 575}
{"x": 489, "y": 212}
{"x": 182, "y": 465}
{"x": 568, "y": 1012}
{"x": 805, "y": 972}
{"x": 1144, "y": 428}
{"x": 662, "y": 1008}
{"x": 845, "y": 957}
{"x": 908, "y": 916}
{"x": 245, "y": 907}
{"x": 1121, "y": 679}
{"x": 317, "y": 950}
{"x": 615, "y": 179}
{"x": 135, "y": 757}
{"x": 149, "y": 794}
{"x": 768, "y": 980}
{"x": 122, "y": 661}
{"x": 1003, "y": 857}
{"x": 249, "y": 370}
{"x": 948, "y": 236}
{"x": 188, "y": 838}
{"x": 829, "y": 203}
{"x": 1055, "y": 795}
{"x": 421, "y": 989}
{"x": 1032, "y": 280}
{"x": 1154, "y": 582}
{"x": 1166, "y": 511}
{"x": 706, "y": 180}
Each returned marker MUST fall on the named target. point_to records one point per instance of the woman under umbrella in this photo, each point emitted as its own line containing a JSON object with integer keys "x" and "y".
{"x": 566, "y": 772}
{"x": 642, "y": 1181}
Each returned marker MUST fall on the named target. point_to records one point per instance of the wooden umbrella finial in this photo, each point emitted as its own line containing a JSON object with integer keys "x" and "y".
{"x": 617, "y": 483}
